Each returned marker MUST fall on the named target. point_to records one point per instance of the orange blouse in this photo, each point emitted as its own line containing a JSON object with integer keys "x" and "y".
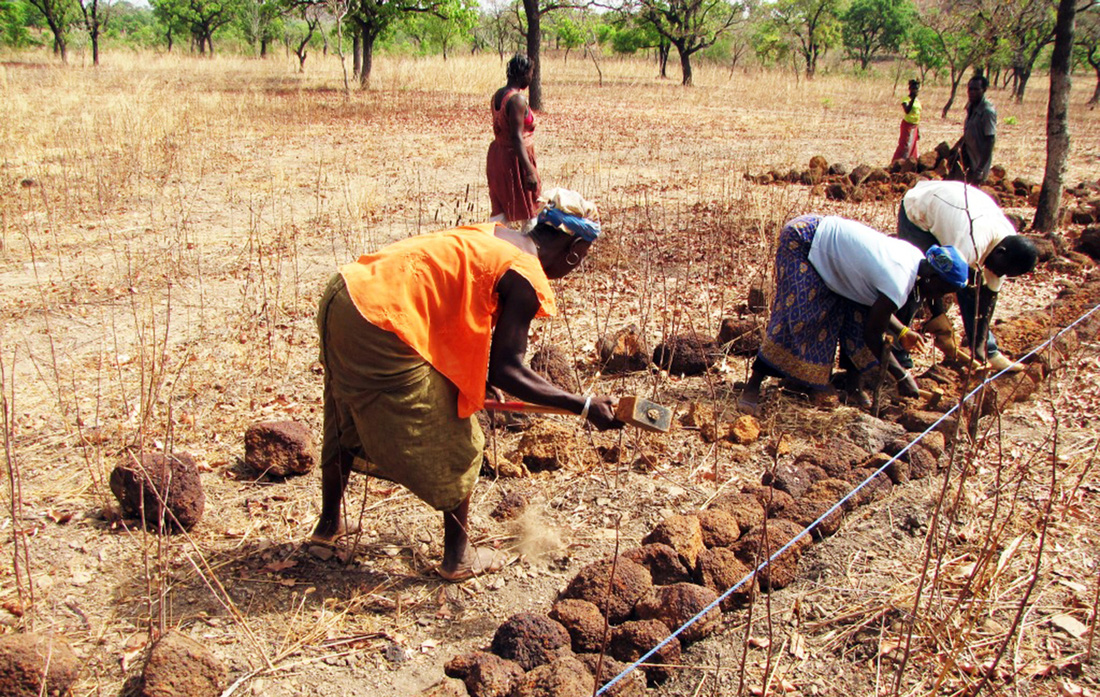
{"x": 437, "y": 292}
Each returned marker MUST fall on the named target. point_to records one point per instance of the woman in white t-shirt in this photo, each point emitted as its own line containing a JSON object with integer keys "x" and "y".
{"x": 839, "y": 282}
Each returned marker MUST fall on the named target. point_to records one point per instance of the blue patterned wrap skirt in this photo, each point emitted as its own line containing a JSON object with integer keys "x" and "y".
{"x": 808, "y": 320}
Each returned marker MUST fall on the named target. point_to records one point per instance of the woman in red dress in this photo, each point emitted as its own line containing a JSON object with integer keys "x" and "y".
{"x": 513, "y": 175}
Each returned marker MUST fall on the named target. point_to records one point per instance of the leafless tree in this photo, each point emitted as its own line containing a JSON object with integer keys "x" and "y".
{"x": 1050, "y": 196}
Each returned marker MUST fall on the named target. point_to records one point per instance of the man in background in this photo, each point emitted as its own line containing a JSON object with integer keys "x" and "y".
{"x": 973, "y": 154}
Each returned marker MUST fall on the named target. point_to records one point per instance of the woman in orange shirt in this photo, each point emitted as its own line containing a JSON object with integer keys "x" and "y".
{"x": 411, "y": 334}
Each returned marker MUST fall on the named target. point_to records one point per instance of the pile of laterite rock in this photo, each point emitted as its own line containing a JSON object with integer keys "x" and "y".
{"x": 868, "y": 183}
{"x": 615, "y": 610}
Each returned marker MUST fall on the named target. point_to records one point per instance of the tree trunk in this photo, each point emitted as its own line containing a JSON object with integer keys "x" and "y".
{"x": 357, "y": 51}
{"x": 263, "y": 46}
{"x": 663, "y": 49}
{"x": 1096, "y": 91}
{"x": 94, "y": 36}
{"x": 956, "y": 78}
{"x": 1050, "y": 196}
{"x": 60, "y": 47}
{"x": 685, "y": 66}
{"x": 1024, "y": 75}
{"x": 534, "y": 44}
{"x": 368, "y": 58}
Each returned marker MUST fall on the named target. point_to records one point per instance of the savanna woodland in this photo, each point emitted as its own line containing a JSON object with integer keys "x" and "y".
{"x": 180, "y": 180}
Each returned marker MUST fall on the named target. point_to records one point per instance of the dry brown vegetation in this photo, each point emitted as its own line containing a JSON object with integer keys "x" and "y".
{"x": 167, "y": 226}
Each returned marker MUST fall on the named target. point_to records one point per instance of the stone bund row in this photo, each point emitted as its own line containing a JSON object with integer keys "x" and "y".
{"x": 616, "y": 610}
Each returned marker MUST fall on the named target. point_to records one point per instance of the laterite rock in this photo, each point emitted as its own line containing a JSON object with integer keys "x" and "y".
{"x": 740, "y": 337}
{"x": 774, "y": 501}
{"x": 686, "y": 355}
{"x": 676, "y": 604}
{"x": 922, "y": 462}
{"x": 564, "y": 677}
{"x": 34, "y": 664}
{"x": 484, "y": 674}
{"x": 719, "y": 569}
{"x": 870, "y": 434}
{"x": 530, "y": 640}
{"x": 551, "y": 362}
{"x": 745, "y": 430}
{"x": 623, "y": 352}
{"x": 793, "y": 477}
{"x": 744, "y": 507}
{"x": 783, "y": 570}
{"x": 720, "y": 528}
{"x": 632, "y": 685}
{"x": 549, "y": 445}
{"x": 142, "y": 486}
{"x": 662, "y": 562}
{"x": 683, "y": 533}
{"x": 816, "y": 501}
{"x": 631, "y": 640}
{"x": 279, "y": 448}
{"x": 631, "y": 583}
{"x": 878, "y": 487}
{"x": 511, "y": 505}
{"x": 583, "y": 621}
{"x": 179, "y": 666}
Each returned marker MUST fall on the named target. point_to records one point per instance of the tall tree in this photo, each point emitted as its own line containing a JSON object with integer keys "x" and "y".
{"x": 445, "y": 30}
{"x": 96, "y": 14}
{"x": 301, "y": 32}
{"x": 1050, "y": 196}
{"x": 170, "y": 17}
{"x": 499, "y": 27}
{"x": 1019, "y": 28}
{"x": 954, "y": 32}
{"x": 533, "y": 12}
{"x": 59, "y": 15}
{"x": 813, "y": 25}
{"x": 372, "y": 17}
{"x": 690, "y": 25}
{"x": 569, "y": 32}
{"x": 1087, "y": 39}
{"x": 261, "y": 22}
{"x": 202, "y": 18}
{"x": 923, "y": 50}
{"x": 872, "y": 26}
{"x": 13, "y": 24}
{"x": 629, "y": 34}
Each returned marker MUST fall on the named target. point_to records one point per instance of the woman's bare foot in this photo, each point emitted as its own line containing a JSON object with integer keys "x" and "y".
{"x": 477, "y": 561}
{"x": 327, "y": 536}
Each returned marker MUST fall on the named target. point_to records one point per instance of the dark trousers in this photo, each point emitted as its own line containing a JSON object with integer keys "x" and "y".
{"x": 967, "y": 297}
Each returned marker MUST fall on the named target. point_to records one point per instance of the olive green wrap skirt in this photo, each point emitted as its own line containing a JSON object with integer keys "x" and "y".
{"x": 385, "y": 404}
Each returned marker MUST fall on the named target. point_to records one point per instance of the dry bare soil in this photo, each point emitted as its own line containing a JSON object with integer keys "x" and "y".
{"x": 167, "y": 226}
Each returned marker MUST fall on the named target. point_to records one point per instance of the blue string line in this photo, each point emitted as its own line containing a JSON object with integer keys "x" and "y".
{"x": 664, "y": 642}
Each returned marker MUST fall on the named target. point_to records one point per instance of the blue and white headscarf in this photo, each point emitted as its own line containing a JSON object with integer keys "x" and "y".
{"x": 948, "y": 263}
{"x": 569, "y": 212}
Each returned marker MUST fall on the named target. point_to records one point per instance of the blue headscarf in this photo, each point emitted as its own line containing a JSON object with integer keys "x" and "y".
{"x": 567, "y": 211}
{"x": 948, "y": 263}
{"x": 573, "y": 224}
